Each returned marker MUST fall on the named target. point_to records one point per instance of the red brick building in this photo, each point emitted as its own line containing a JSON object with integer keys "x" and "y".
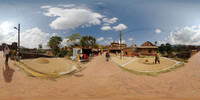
{"x": 115, "y": 47}
{"x": 145, "y": 49}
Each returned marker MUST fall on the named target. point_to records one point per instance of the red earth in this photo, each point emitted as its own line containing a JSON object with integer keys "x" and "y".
{"x": 102, "y": 80}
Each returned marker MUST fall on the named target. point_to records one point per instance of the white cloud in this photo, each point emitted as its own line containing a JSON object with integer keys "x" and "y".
{"x": 123, "y": 41}
{"x": 110, "y": 38}
{"x": 7, "y": 33}
{"x": 186, "y": 35}
{"x": 100, "y": 39}
{"x": 67, "y": 5}
{"x": 72, "y": 17}
{"x": 46, "y": 7}
{"x": 130, "y": 39}
{"x": 54, "y": 34}
{"x": 120, "y": 27}
{"x": 104, "y": 28}
{"x": 38, "y": 12}
{"x": 158, "y": 31}
{"x": 31, "y": 38}
{"x": 107, "y": 42}
{"x": 64, "y": 43}
{"x": 110, "y": 21}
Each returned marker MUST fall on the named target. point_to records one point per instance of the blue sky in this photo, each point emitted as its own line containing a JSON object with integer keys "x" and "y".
{"x": 173, "y": 21}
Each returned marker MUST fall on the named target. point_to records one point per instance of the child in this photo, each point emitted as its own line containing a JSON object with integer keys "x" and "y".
{"x": 157, "y": 58}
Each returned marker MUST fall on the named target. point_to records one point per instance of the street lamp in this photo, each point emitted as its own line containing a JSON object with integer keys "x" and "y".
{"x": 18, "y": 39}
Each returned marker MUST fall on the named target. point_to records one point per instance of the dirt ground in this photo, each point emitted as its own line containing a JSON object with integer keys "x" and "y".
{"x": 49, "y": 65}
{"x": 142, "y": 65}
{"x": 122, "y": 61}
{"x": 102, "y": 80}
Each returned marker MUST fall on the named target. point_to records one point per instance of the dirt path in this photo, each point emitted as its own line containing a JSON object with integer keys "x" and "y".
{"x": 102, "y": 80}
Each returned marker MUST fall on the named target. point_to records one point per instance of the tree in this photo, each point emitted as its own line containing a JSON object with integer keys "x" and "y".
{"x": 156, "y": 43}
{"x": 162, "y": 48}
{"x": 87, "y": 41}
{"x": 166, "y": 48}
{"x": 74, "y": 39}
{"x": 40, "y": 46}
{"x": 54, "y": 44}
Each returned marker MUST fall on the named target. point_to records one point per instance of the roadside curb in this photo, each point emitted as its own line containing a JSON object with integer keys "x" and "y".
{"x": 33, "y": 72}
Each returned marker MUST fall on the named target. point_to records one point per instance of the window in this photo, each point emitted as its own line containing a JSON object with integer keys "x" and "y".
{"x": 150, "y": 51}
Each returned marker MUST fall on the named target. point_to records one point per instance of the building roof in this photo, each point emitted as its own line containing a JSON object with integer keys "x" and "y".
{"x": 147, "y": 44}
{"x": 149, "y": 47}
{"x": 133, "y": 45}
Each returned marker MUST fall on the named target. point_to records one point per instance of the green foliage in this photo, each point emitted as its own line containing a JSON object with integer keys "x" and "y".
{"x": 62, "y": 53}
{"x": 156, "y": 42}
{"x": 87, "y": 41}
{"x": 40, "y": 46}
{"x": 183, "y": 48}
{"x": 166, "y": 48}
{"x": 70, "y": 53}
{"x": 73, "y": 39}
{"x": 54, "y": 43}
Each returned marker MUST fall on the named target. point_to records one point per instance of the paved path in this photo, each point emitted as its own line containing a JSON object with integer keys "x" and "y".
{"x": 101, "y": 80}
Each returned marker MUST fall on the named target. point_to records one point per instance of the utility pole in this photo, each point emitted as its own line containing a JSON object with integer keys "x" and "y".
{"x": 18, "y": 39}
{"x": 120, "y": 44}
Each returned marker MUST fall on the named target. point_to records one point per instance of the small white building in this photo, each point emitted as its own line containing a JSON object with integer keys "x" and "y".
{"x": 75, "y": 52}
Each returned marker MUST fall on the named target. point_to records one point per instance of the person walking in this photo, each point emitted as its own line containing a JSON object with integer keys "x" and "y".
{"x": 6, "y": 53}
{"x": 157, "y": 59}
{"x": 107, "y": 56}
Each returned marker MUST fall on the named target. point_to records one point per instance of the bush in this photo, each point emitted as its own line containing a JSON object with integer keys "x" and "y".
{"x": 70, "y": 53}
{"x": 62, "y": 53}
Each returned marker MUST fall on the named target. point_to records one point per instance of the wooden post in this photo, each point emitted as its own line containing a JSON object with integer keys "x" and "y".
{"x": 120, "y": 44}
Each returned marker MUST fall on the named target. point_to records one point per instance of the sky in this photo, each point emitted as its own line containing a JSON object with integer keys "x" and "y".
{"x": 165, "y": 21}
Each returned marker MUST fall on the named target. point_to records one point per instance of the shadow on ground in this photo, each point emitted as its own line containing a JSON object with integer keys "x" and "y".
{"x": 8, "y": 73}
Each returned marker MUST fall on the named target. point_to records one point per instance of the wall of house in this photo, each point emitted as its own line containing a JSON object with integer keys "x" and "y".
{"x": 147, "y": 52}
{"x": 136, "y": 52}
{"x": 130, "y": 52}
{"x": 114, "y": 51}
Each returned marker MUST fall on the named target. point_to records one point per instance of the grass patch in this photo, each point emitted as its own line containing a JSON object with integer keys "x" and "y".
{"x": 185, "y": 60}
{"x": 152, "y": 73}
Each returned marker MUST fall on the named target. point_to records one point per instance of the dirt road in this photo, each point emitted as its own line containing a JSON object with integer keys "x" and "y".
{"x": 102, "y": 80}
